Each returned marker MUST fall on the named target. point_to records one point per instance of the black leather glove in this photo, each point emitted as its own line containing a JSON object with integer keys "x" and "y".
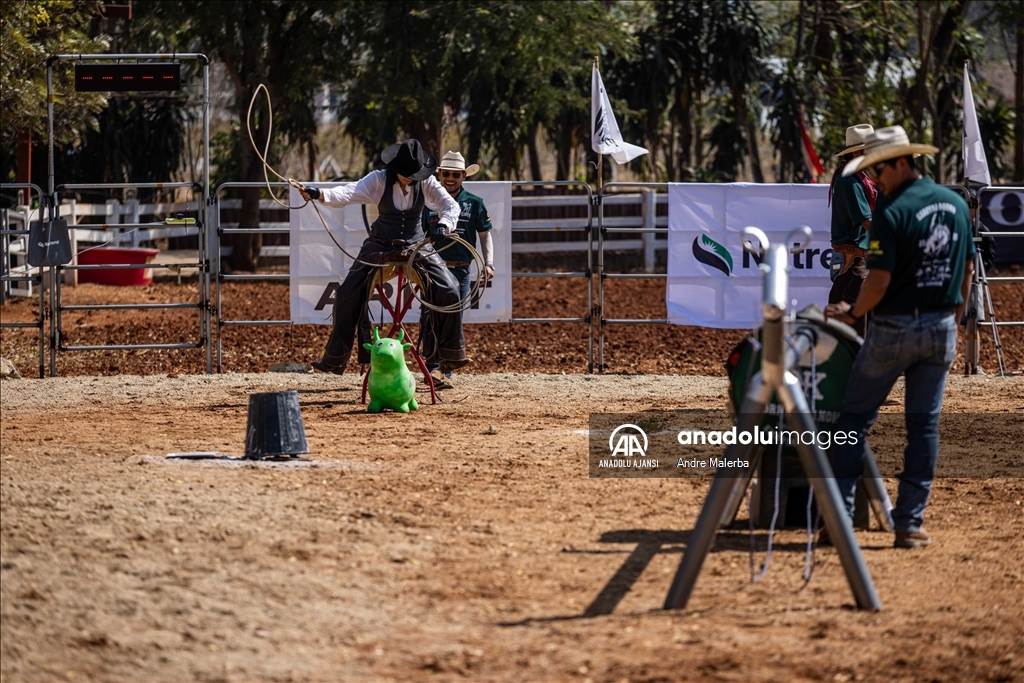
{"x": 313, "y": 192}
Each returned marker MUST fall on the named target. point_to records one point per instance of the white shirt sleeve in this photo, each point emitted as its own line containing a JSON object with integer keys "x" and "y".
{"x": 368, "y": 190}
{"x": 437, "y": 199}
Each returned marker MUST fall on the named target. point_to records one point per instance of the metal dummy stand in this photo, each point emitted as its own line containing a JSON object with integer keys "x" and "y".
{"x": 978, "y": 305}
{"x": 398, "y": 309}
{"x": 779, "y": 376}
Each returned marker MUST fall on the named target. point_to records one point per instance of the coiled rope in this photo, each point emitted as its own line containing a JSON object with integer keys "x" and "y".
{"x": 461, "y": 305}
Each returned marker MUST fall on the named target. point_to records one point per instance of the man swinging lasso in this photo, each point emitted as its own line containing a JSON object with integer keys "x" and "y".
{"x": 400, "y": 191}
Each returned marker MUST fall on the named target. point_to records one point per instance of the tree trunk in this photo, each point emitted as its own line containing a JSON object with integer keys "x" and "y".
{"x": 310, "y": 160}
{"x": 755, "y": 153}
{"x": 245, "y": 250}
{"x": 685, "y": 101}
{"x": 563, "y": 151}
{"x": 531, "y": 145}
{"x": 1018, "y": 125}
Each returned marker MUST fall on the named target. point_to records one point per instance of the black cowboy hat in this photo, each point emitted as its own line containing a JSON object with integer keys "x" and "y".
{"x": 409, "y": 159}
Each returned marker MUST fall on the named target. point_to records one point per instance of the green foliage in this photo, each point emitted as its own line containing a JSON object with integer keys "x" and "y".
{"x": 140, "y": 137}
{"x": 291, "y": 47}
{"x": 510, "y": 67}
{"x": 698, "y": 82}
{"x": 31, "y": 31}
{"x": 138, "y": 140}
{"x": 995, "y": 122}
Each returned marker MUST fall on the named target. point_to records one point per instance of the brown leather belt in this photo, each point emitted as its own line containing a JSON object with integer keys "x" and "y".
{"x": 849, "y": 249}
{"x": 457, "y": 264}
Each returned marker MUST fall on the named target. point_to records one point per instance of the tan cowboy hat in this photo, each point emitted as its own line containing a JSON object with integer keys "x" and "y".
{"x": 855, "y": 137}
{"x": 884, "y": 144}
{"x": 453, "y": 161}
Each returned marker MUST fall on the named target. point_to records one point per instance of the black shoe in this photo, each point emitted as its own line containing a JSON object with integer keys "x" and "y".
{"x": 448, "y": 365}
{"x": 321, "y": 366}
{"x": 912, "y": 539}
{"x": 824, "y": 540}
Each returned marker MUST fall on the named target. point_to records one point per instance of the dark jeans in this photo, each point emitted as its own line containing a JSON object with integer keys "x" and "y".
{"x": 921, "y": 347}
{"x": 846, "y": 287}
{"x": 461, "y": 275}
{"x": 442, "y": 340}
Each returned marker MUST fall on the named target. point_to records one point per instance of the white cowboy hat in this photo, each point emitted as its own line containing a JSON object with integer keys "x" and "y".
{"x": 453, "y": 161}
{"x": 884, "y": 144}
{"x": 855, "y": 137}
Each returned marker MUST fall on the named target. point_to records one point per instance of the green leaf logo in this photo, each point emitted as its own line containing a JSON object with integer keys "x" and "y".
{"x": 711, "y": 253}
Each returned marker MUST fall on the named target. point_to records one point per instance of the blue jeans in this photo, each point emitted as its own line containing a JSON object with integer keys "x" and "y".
{"x": 461, "y": 274}
{"x": 922, "y": 347}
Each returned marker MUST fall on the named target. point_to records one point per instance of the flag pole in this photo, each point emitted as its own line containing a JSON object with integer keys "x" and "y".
{"x": 963, "y": 131}
{"x": 600, "y": 157}
{"x": 597, "y": 299}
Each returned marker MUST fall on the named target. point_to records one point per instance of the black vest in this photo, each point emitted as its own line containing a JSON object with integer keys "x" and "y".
{"x": 394, "y": 225}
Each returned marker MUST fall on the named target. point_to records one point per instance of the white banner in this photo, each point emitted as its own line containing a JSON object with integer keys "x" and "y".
{"x": 318, "y": 266}
{"x": 712, "y": 281}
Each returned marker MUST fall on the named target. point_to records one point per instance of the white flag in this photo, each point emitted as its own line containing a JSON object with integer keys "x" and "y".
{"x": 605, "y": 136}
{"x": 975, "y": 163}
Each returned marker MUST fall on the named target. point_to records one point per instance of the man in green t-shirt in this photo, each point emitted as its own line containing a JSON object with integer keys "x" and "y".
{"x": 474, "y": 224}
{"x": 920, "y": 259}
{"x": 852, "y": 199}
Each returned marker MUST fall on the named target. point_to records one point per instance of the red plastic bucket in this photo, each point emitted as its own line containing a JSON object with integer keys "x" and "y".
{"x": 116, "y": 276}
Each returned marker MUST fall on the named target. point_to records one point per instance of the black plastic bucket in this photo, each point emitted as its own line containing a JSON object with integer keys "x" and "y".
{"x": 275, "y": 426}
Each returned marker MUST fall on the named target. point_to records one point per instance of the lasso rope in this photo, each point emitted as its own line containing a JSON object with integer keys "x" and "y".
{"x": 461, "y": 305}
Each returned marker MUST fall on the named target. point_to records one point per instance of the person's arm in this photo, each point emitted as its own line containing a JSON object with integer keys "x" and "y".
{"x": 368, "y": 190}
{"x": 857, "y": 207}
{"x": 871, "y": 292}
{"x": 483, "y": 230}
{"x": 487, "y": 252}
{"x": 965, "y": 288}
{"x": 881, "y": 261}
{"x": 438, "y": 199}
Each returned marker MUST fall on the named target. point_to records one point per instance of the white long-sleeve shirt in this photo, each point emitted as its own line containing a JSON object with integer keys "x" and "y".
{"x": 370, "y": 190}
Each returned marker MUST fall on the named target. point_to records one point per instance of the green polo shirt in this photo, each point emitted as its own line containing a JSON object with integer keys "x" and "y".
{"x": 473, "y": 219}
{"x": 850, "y": 209}
{"x": 922, "y": 235}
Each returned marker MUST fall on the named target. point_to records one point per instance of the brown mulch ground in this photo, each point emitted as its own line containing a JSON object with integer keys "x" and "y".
{"x": 525, "y": 347}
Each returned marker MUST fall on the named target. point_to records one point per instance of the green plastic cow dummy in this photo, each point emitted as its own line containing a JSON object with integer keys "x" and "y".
{"x": 390, "y": 383}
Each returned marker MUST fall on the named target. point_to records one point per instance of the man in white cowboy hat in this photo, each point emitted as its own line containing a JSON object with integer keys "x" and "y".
{"x": 474, "y": 223}
{"x": 400, "y": 190}
{"x": 852, "y": 198}
{"x": 920, "y": 259}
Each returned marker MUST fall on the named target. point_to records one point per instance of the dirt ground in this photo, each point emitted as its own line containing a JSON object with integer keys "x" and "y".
{"x": 463, "y": 541}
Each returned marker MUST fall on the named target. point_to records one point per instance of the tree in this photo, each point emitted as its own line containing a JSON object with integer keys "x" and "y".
{"x": 1007, "y": 18}
{"x": 736, "y": 46}
{"x": 663, "y": 81}
{"x": 140, "y": 137}
{"x": 292, "y": 48}
{"x": 31, "y": 32}
{"x": 508, "y": 69}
